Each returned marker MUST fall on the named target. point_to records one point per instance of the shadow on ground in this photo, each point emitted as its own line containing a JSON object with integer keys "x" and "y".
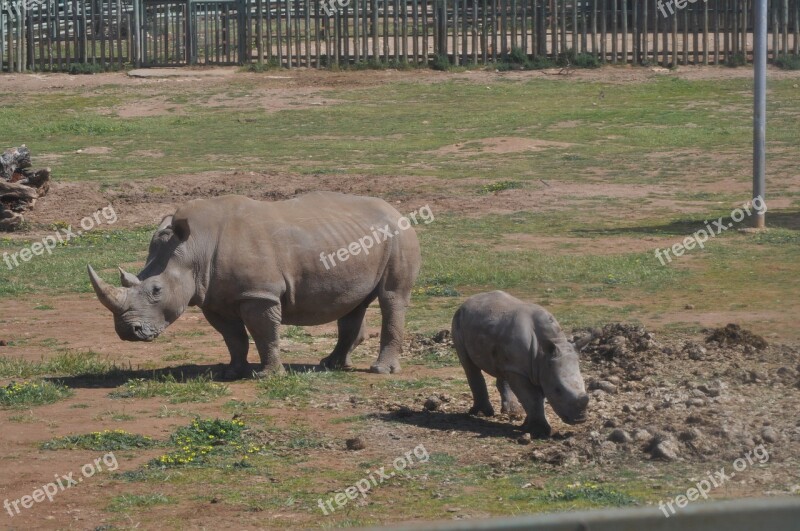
{"x": 116, "y": 377}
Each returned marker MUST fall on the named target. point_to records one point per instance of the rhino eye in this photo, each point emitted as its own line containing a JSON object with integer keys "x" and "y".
{"x": 156, "y": 290}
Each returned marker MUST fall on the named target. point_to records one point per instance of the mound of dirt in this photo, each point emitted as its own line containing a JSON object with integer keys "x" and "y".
{"x": 734, "y": 335}
{"x": 628, "y": 347}
{"x": 672, "y": 399}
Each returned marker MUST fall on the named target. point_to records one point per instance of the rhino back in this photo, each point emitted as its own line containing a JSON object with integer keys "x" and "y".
{"x": 259, "y": 249}
{"x": 497, "y": 332}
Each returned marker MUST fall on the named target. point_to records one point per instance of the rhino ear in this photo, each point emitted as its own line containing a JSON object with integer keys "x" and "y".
{"x": 128, "y": 280}
{"x": 180, "y": 227}
{"x": 166, "y": 222}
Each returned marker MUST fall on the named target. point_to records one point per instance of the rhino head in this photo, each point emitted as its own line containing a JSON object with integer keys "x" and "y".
{"x": 562, "y": 383}
{"x": 149, "y": 302}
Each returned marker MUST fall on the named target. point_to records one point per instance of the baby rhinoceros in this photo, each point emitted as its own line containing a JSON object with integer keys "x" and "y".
{"x": 522, "y": 345}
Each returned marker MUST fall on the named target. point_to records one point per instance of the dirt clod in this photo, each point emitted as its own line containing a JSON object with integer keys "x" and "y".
{"x": 432, "y": 403}
{"x": 619, "y": 436}
{"x": 734, "y": 335}
{"x": 355, "y": 444}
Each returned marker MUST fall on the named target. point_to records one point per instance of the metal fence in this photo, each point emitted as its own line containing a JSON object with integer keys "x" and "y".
{"x": 42, "y": 35}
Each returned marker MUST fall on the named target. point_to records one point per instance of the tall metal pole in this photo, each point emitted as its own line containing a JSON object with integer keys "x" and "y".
{"x": 759, "y": 105}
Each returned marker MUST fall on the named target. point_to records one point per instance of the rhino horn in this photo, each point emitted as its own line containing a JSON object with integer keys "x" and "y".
{"x": 128, "y": 280}
{"x": 111, "y": 297}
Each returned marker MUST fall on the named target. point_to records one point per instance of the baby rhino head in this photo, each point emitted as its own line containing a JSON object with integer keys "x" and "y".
{"x": 562, "y": 383}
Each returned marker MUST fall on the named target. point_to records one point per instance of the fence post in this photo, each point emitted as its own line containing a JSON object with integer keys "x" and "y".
{"x": 137, "y": 34}
{"x": 241, "y": 11}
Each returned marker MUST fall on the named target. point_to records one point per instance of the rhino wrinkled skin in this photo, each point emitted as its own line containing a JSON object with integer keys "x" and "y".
{"x": 522, "y": 345}
{"x": 252, "y": 266}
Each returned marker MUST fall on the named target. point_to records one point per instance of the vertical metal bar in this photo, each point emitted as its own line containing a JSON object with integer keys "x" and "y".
{"x": 637, "y": 36}
{"x": 456, "y": 55}
{"x": 269, "y": 31}
{"x": 395, "y": 30}
{"x": 357, "y": 31}
{"x": 785, "y": 27}
{"x": 495, "y": 38}
{"x": 575, "y": 47}
{"x": 759, "y": 105}
{"x": 594, "y": 27}
{"x": 375, "y": 27}
{"x": 797, "y": 27}
{"x": 385, "y": 31}
{"x": 695, "y": 35}
{"x": 404, "y": 30}
{"x": 675, "y": 40}
{"x": 475, "y": 31}
{"x": 425, "y": 32}
{"x": 554, "y": 28}
{"x": 464, "y": 18}
{"x": 645, "y": 47}
{"x": 775, "y": 30}
{"x": 415, "y": 30}
{"x": 665, "y": 43}
{"x": 686, "y": 35}
{"x": 604, "y": 33}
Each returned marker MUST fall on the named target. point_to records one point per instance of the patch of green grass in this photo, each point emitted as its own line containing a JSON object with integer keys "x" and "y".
{"x": 199, "y": 389}
{"x": 500, "y": 186}
{"x": 267, "y": 66}
{"x": 43, "y": 307}
{"x": 297, "y": 334}
{"x": 788, "y": 62}
{"x": 129, "y": 502}
{"x": 590, "y": 493}
{"x": 23, "y": 394}
{"x": 298, "y": 385}
{"x": 65, "y": 269}
{"x": 407, "y": 385}
{"x": 100, "y": 440}
{"x": 65, "y": 363}
{"x": 202, "y": 439}
{"x": 442, "y": 63}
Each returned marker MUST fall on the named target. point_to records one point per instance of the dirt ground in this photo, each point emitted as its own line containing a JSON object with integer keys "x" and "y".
{"x": 697, "y": 401}
{"x": 657, "y": 400}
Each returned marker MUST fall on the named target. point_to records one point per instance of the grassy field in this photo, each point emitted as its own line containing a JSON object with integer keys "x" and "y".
{"x": 557, "y": 190}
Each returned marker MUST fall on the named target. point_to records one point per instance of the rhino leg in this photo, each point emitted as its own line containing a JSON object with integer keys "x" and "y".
{"x": 508, "y": 400}
{"x": 352, "y": 330}
{"x": 532, "y": 398}
{"x": 263, "y": 319}
{"x": 235, "y": 336}
{"x": 477, "y": 383}
{"x": 393, "y": 316}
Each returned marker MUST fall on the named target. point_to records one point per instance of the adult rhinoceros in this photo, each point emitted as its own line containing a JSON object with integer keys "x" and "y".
{"x": 251, "y": 266}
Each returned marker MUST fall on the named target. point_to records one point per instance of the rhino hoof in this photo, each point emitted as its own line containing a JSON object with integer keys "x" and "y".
{"x": 237, "y": 372}
{"x": 513, "y": 412}
{"x": 538, "y": 430}
{"x": 267, "y": 372}
{"x": 385, "y": 369}
{"x": 331, "y": 364}
{"x": 482, "y": 411}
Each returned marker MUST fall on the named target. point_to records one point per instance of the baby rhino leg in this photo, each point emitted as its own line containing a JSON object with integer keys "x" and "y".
{"x": 532, "y": 399}
{"x": 477, "y": 383}
{"x": 509, "y": 403}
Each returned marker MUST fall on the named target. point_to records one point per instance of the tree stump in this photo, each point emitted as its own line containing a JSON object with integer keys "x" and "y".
{"x": 20, "y": 186}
